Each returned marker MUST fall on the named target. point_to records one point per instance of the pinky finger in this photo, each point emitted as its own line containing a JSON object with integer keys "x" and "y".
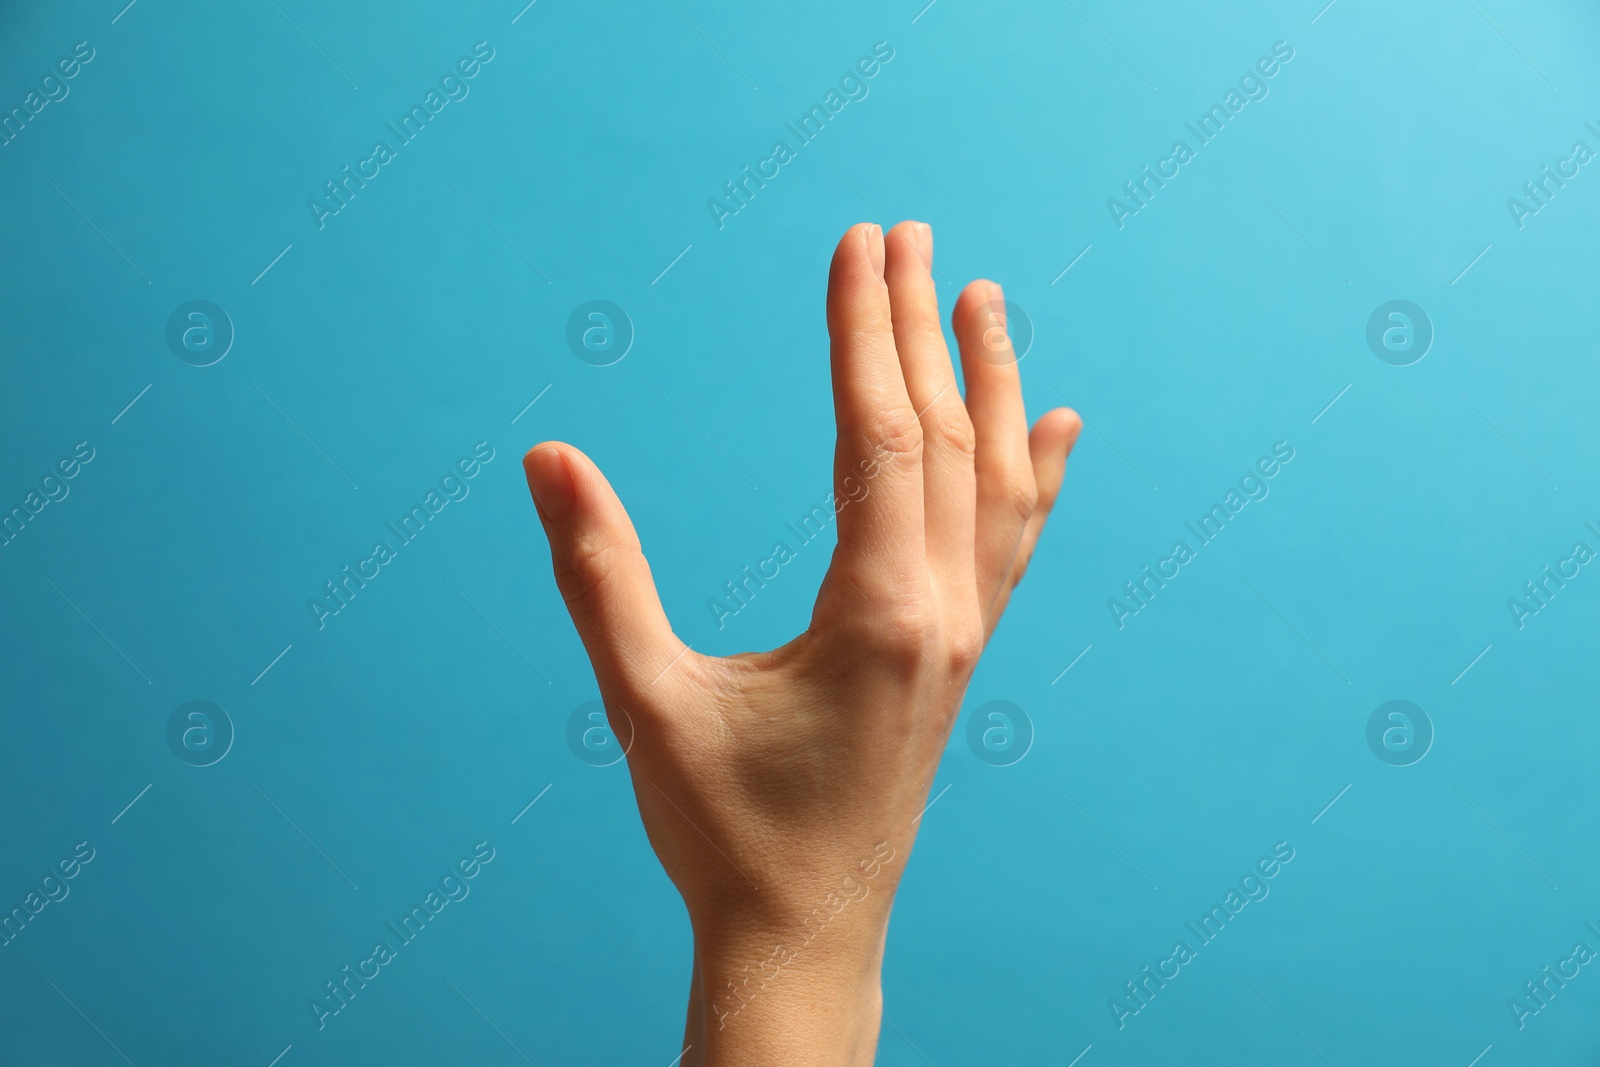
{"x": 1049, "y": 444}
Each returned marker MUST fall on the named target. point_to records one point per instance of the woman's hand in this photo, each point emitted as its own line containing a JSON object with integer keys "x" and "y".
{"x": 781, "y": 790}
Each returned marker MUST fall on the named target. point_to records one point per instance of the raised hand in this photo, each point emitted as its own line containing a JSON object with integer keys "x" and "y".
{"x": 780, "y": 789}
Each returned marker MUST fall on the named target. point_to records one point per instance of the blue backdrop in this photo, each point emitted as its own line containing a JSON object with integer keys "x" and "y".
{"x": 287, "y": 282}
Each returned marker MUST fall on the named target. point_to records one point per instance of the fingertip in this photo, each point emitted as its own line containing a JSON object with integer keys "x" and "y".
{"x": 861, "y": 245}
{"x": 539, "y": 447}
{"x": 973, "y": 295}
{"x": 875, "y": 248}
{"x": 978, "y": 303}
{"x": 1074, "y": 426}
{"x": 1071, "y": 423}
{"x": 1057, "y": 430}
{"x": 550, "y": 479}
{"x": 914, "y": 237}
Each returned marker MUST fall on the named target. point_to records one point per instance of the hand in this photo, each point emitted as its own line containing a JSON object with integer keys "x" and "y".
{"x": 780, "y": 789}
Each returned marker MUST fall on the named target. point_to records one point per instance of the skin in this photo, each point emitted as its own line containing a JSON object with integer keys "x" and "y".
{"x": 782, "y": 790}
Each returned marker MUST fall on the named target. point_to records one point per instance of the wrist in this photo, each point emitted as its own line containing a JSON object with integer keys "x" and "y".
{"x": 791, "y": 973}
{"x": 774, "y": 999}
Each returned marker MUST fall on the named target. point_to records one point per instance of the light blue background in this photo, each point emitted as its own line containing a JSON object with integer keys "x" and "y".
{"x": 1213, "y": 325}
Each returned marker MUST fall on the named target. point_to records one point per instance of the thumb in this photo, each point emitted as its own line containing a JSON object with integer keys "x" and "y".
{"x": 600, "y": 568}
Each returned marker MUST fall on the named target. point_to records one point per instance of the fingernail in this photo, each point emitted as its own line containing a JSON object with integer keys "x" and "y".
{"x": 874, "y": 236}
{"x": 996, "y": 293}
{"x": 925, "y": 242}
{"x": 550, "y": 482}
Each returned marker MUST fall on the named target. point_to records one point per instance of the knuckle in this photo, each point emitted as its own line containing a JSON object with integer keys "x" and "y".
{"x": 588, "y": 565}
{"x": 964, "y": 648}
{"x": 897, "y": 431}
{"x": 949, "y": 422}
{"x": 898, "y": 633}
{"x": 906, "y": 639}
{"x": 1022, "y": 495}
